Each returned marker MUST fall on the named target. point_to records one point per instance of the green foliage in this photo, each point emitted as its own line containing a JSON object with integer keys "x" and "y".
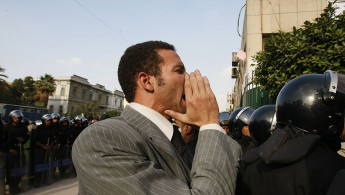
{"x": 45, "y": 87}
{"x": 314, "y": 48}
{"x": 17, "y": 90}
{"x": 5, "y": 96}
{"x": 4, "y": 88}
{"x": 45, "y": 84}
{"x": 87, "y": 108}
{"x": 2, "y": 76}
{"x": 113, "y": 113}
{"x": 29, "y": 91}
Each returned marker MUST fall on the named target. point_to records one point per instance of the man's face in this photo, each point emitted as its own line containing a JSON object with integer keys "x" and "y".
{"x": 245, "y": 130}
{"x": 55, "y": 120}
{"x": 17, "y": 120}
{"x": 169, "y": 86}
{"x": 48, "y": 122}
{"x": 226, "y": 128}
{"x": 65, "y": 123}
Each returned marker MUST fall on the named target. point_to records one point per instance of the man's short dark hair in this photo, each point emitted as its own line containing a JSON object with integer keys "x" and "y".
{"x": 142, "y": 57}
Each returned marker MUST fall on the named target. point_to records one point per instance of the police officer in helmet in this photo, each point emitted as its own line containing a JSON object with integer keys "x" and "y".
{"x": 301, "y": 155}
{"x": 238, "y": 127}
{"x": 261, "y": 126}
{"x": 15, "y": 135}
{"x": 64, "y": 141}
{"x": 76, "y": 127}
{"x": 224, "y": 121}
{"x": 43, "y": 138}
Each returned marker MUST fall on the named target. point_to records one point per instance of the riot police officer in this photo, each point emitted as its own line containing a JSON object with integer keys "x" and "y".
{"x": 43, "y": 139}
{"x": 238, "y": 127}
{"x": 76, "y": 128}
{"x": 224, "y": 121}
{"x": 261, "y": 125}
{"x": 55, "y": 122}
{"x": 64, "y": 141}
{"x": 84, "y": 122}
{"x": 301, "y": 155}
{"x": 15, "y": 135}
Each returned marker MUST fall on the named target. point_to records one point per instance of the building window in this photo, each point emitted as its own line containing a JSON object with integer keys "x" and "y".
{"x": 62, "y": 93}
{"x": 100, "y": 98}
{"x": 39, "y": 111}
{"x": 115, "y": 101}
{"x": 61, "y": 110}
{"x": 83, "y": 96}
{"x": 51, "y": 108}
{"x": 90, "y": 96}
{"x": 23, "y": 109}
{"x": 107, "y": 100}
{"x": 74, "y": 93}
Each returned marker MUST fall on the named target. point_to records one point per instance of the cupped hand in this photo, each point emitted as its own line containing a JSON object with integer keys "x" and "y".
{"x": 201, "y": 104}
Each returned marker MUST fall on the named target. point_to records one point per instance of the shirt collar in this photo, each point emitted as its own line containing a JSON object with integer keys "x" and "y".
{"x": 162, "y": 123}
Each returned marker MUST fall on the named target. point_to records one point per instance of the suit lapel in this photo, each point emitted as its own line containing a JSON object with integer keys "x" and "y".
{"x": 153, "y": 134}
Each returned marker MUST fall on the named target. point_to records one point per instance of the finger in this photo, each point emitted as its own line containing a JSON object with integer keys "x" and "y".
{"x": 176, "y": 115}
{"x": 187, "y": 87}
{"x": 194, "y": 84}
{"x": 207, "y": 85}
{"x": 201, "y": 84}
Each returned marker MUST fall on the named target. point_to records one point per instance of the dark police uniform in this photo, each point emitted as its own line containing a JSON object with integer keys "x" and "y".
{"x": 15, "y": 162}
{"x": 292, "y": 162}
{"x": 64, "y": 141}
{"x": 76, "y": 130}
{"x": 44, "y": 135}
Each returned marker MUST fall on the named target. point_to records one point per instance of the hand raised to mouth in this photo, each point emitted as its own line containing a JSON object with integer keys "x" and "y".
{"x": 201, "y": 104}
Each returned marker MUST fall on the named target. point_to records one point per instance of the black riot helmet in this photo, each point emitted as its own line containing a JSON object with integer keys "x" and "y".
{"x": 262, "y": 123}
{"x": 46, "y": 117}
{"x": 314, "y": 103}
{"x": 25, "y": 121}
{"x": 239, "y": 118}
{"x": 84, "y": 121}
{"x": 224, "y": 118}
{"x": 77, "y": 119}
{"x": 63, "y": 119}
{"x": 15, "y": 114}
{"x": 56, "y": 116}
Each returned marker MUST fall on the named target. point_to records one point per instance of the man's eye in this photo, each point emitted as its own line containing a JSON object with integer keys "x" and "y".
{"x": 180, "y": 71}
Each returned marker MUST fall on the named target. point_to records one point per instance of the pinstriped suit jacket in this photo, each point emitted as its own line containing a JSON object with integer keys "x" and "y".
{"x": 131, "y": 155}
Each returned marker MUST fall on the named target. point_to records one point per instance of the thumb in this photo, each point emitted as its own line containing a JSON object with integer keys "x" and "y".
{"x": 176, "y": 115}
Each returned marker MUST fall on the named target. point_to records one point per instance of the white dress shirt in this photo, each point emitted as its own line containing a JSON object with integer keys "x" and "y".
{"x": 163, "y": 124}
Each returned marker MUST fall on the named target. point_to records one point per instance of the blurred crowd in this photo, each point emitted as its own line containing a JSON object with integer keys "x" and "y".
{"x": 33, "y": 154}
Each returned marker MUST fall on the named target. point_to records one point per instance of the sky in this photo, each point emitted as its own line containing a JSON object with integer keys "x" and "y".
{"x": 88, "y": 37}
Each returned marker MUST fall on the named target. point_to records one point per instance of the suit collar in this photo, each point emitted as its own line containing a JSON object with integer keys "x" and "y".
{"x": 162, "y": 123}
{"x": 152, "y": 133}
{"x": 148, "y": 130}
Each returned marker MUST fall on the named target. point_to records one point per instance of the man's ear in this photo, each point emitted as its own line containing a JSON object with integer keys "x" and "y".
{"x": 145, "y": 81}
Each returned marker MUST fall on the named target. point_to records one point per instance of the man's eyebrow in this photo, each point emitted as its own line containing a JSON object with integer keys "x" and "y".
{"x": 180, "y": 66}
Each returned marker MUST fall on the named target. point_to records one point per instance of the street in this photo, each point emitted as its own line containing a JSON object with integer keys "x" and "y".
{"x": 67, "y": 186}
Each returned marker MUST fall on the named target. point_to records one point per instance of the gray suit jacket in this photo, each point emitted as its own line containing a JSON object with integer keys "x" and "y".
{"x": 131, "y": 155}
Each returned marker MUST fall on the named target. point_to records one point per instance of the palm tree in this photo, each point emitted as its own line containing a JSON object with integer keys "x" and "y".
{"x": 2, "y": 75}
{"x": 4, "y": 87}
{"x": 45, "y": 87}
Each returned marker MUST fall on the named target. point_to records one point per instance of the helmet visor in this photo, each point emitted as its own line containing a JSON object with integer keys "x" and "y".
{"x": 341, "y": 85}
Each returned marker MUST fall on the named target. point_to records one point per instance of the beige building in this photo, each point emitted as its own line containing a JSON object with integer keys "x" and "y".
{"x": 74, "y": 90}
{"x": 261, "y": 18}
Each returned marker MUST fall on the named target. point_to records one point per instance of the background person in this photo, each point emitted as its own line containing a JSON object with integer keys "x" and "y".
{"x": 15, "y": 135}
{"x": 301, "y": 155}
